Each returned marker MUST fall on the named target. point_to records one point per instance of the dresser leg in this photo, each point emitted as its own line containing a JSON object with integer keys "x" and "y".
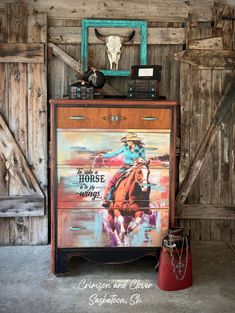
{"x": 61, "y": 262}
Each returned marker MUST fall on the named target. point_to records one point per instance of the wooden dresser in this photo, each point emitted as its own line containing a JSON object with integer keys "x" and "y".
{"x": 89, "y": 146}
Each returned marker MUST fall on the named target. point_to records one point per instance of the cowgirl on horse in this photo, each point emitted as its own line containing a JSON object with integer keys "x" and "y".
{"x": 133, "y": 151}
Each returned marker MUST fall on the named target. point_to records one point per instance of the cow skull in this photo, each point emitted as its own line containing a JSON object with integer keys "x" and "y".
{"x": 114, "y": 46}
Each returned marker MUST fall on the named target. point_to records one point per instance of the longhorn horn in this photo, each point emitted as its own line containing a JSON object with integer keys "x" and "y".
{"x": 99, "y": 35}
{"x": 129, "y": 37}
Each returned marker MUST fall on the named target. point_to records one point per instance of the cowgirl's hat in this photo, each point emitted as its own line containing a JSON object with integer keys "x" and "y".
{"x": 132, "y": 137}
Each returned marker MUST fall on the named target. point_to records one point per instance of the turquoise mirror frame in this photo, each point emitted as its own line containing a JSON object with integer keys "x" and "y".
{"x": 86, "y": 23}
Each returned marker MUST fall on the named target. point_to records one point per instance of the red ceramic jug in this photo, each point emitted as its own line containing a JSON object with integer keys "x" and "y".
{"x": 175, "y": 262}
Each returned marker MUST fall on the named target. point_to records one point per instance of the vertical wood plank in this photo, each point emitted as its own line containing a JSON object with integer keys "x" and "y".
{"x": 17, "y": 88}
{"x": 37, "y": 124}
{"x": 3, "y": 27}
{"x": 232, "y": 168}
{"x": 227, "y": 29}
{"x": 233, "y": 230}
{"x": 17, "y": 21}
{"x": 205, "y": 102}
{"x": 215, "y": 230}
{"x": 216, "y": 147}
{"x": 69, "y": 74}
{"x": 226, "y": 133}
{"x": 225, "y": 230}
{"x": 205, "y": 227}
{"x": 194, "y": 131}
{"x": 4, "y": 179}
{"x": 175, "y": 81}
{"x": 185, "y": 100}
{"x": 195, "y": 230}
{"x": 59, "y": 76}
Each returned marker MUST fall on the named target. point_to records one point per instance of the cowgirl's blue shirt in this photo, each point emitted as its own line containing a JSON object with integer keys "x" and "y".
{"x": 129, "y": 156}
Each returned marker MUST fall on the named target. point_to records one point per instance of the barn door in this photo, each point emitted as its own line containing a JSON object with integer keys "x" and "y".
{"x": 23, "y": 126}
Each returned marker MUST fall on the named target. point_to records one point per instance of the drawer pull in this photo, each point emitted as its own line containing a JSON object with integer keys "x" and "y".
{"x": 77, "y": 117}
{"x": 77, "y": 228}
{"x": 114, "y": 118}
{"x": 150, "y": 118}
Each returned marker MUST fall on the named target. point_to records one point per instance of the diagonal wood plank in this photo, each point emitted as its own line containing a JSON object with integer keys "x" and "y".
{"x": 16, "y": 163}
{"x": 227, "y": 101}
{"x": 77, "y": 66}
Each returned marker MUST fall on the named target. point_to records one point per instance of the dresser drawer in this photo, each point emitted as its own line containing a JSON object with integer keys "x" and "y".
{"x": 85, "y": 190}
{"x": 91, "y": 228}
{"x": 118, "y": 118}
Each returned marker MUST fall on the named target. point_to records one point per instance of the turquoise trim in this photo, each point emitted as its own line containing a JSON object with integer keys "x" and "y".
{"x": 142, "y": 25}
{"x": 116, "y": 72}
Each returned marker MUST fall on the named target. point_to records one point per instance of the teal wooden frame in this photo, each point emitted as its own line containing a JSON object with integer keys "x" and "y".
{"x": 86, "y": 23}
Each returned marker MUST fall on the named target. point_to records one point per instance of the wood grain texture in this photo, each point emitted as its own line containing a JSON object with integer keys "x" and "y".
{"x": 205, "y": 121}
{"x": 21, "y": 206}
{"x": 101, "y": 118}
{"x": 174, "y": 10}
{"x": 17, "y": 13}
{"x": 21, "y": 53}
{"x": 3, "y": 27}
{"x": 37, "y": 120}
{"x": 22, "y": 230}
{"x": 205, "y": 211}
{"x": 208, "y": 140}
{"x": 186, "y": 98}
{"x": 215, "y": 43}
{"x": 159, "y": 36}
{"x": 195, "y": 129}
{"x": 227, "y": 28}
{"x": 216, "y": 147}
{"x": 203, "y": 59}
{"x": 75, "y": 65}
{"x": 17, "y": 165}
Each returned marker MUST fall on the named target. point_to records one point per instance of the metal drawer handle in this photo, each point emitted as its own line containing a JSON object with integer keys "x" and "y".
{"x": 77, "y": 117}
{"x": 150, "y": 118}
{"x": 77, "y": 228}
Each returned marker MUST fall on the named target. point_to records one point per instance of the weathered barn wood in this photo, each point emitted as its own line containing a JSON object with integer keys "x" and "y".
{"x": 207, "y": 59}
{"x": 206, "y": 44}
{"x": 208, "y": 210}
{"x": 226, "y": 103}
{"x": 37, "y": 120}
{"x": 205, "y": 211}
{"x": 23, "y": 103}
{"x": 12, "y": 206}
{"x": 21, "y": 53}
{"x": 158, "y": 35}
{"x": 15, "y": 162}
{"x": 173, "y": 10}
{"x": 76, "y": 66}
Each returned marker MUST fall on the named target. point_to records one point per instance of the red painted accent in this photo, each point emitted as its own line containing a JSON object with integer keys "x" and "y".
{"x": 166, "y": 277}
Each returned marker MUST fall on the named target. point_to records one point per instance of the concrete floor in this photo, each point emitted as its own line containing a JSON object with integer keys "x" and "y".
{"x": 27, "y": 286}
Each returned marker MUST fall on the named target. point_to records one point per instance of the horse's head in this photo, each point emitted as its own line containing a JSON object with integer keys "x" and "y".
{"x": 142, "y": 175}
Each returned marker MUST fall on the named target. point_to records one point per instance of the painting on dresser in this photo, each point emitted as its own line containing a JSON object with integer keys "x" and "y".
{"x": 121, "y": 178}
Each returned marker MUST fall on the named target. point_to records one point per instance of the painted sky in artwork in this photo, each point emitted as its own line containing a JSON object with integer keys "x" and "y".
{"x": 80, "y": 148}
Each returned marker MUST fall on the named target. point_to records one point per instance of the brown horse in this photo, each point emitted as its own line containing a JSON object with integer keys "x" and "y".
{"x": 131, "y": 197}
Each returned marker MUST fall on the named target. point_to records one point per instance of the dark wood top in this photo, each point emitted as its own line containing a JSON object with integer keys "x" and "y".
{"x": 113, "y": 101}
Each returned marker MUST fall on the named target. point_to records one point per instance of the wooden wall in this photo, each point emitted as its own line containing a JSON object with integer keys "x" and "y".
{"x": 173, "y": 26}
{"x": 23, "y": 125}
{"x": 209, "y": 208}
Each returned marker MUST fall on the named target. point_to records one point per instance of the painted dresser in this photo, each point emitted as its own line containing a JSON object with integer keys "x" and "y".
{"x": 112, "y": 178}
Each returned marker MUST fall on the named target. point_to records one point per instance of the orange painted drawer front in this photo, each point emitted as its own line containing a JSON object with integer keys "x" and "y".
{"x": 90, "y": 228}
{"x": 113, "y": 118}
